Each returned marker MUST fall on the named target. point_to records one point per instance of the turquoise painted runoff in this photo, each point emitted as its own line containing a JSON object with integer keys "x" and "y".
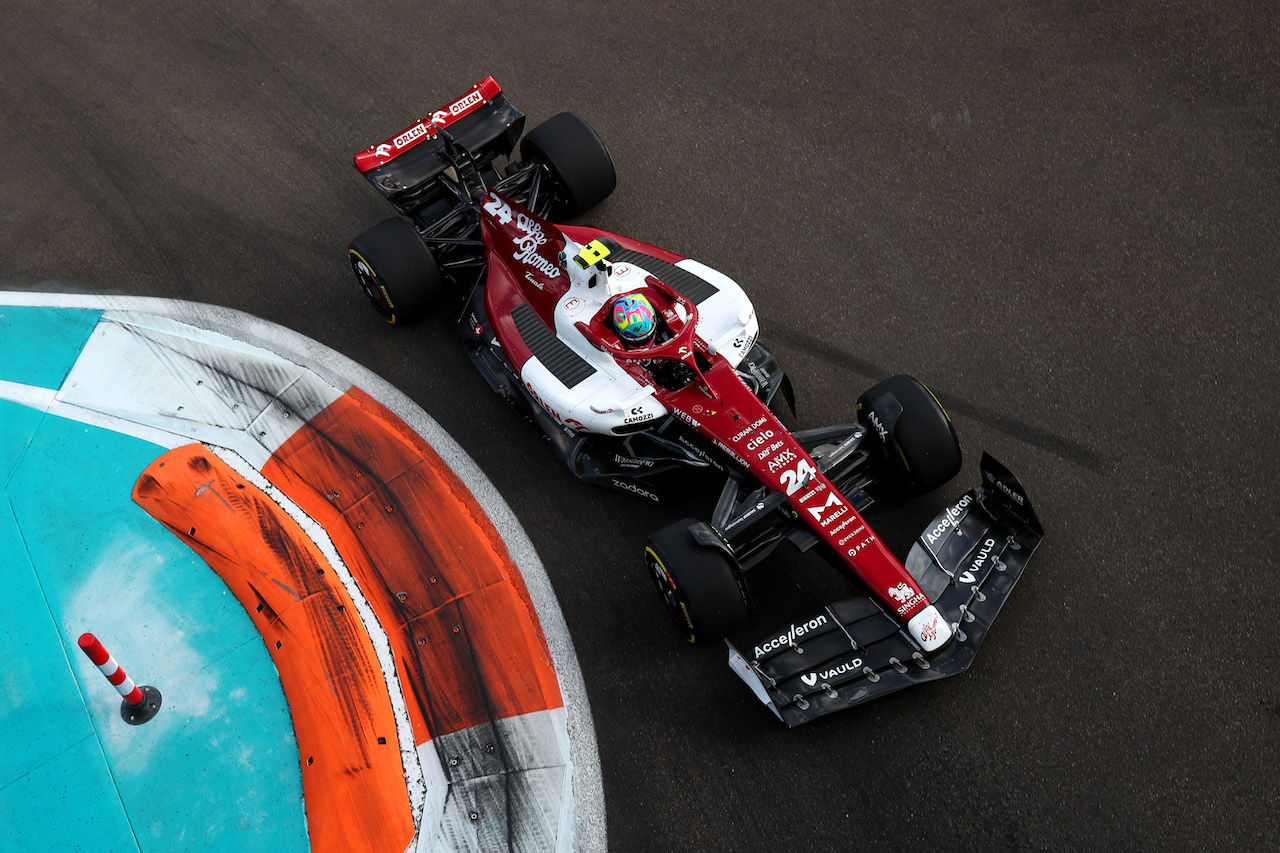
{"x": 218, "y": 768}
{"x": 39, "y": 345}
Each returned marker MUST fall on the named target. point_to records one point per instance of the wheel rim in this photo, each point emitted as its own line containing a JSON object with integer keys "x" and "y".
{"x": 372, "y": 288}
{"x": 670, "y": 592}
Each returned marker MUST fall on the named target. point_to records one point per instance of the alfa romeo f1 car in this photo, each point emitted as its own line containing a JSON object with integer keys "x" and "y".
{"x": 541, "y": 307}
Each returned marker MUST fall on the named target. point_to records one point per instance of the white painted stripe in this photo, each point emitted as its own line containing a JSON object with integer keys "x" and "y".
{"x": 417, "y": 783}
{"x": 109, "y": 667}
{"x": 585, "y": 801}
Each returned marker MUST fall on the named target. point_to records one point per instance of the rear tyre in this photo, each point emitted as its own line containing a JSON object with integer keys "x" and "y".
{"x": 577, "y": 159}
{"x": 699, "y": 583}
{"x": 396, "y": 271}
{"x": 919, "y": 450}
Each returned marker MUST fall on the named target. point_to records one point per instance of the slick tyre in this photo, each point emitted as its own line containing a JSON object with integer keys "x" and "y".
{"x": 918, "y": 447}
{"x": 577, "y": 159}
{"x": 396, "y": 271}
{"x": 698, "y": 583}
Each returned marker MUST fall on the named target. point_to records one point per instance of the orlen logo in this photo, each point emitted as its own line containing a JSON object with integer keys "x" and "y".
{"x": 458, "y": 106}
{"x": 418, "y": 130}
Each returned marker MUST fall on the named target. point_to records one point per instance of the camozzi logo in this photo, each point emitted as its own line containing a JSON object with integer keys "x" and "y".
{"x": 811, "y": 678}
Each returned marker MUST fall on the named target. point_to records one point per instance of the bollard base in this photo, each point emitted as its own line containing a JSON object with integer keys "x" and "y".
{"x": 136, "y": 715}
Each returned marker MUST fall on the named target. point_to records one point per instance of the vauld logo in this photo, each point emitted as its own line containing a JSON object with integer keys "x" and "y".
{"x": 811, "y": 678}
{"x": 970, "y": 574}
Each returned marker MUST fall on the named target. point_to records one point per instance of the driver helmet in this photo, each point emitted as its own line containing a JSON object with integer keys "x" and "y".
{"x": 634, "y": 319}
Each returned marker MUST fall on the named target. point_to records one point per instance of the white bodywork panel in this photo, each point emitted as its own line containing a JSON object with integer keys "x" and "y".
{"x": 610, "y": 398}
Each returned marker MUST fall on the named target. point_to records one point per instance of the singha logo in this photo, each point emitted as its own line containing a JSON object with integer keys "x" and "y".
{"x": 901, "y": 593}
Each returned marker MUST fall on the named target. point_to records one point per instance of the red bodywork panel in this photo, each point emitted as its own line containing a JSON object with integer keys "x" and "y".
{"x": 522, "y": 265}
{"x": 521, "y": 253}
{"x": 380, "y": 155}
{"x": 741, "y": 425}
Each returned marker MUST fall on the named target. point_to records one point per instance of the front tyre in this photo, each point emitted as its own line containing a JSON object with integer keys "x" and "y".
{"x": 918, "y": 447}
{"x": 577, "y": 159}
{"x": 396, "y": 271}
{"x": 698, "y": 582}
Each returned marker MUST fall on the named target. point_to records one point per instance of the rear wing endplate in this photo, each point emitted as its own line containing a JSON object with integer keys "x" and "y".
{"x": 482, "y": 121}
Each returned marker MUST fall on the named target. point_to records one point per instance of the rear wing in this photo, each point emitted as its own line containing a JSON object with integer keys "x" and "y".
{"x": 483, "y": 121}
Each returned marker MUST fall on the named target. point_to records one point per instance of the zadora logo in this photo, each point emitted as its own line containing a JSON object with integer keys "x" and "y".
{"x": 632, "y": 487}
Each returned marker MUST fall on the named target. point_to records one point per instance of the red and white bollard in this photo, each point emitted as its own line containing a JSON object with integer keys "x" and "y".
{"x": 140, "y": 703}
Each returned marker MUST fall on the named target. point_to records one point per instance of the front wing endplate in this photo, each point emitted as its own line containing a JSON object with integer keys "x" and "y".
{"x": 967, "y": 562}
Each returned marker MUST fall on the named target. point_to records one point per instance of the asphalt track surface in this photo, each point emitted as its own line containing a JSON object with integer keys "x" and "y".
{"x": 1062, "y": 216}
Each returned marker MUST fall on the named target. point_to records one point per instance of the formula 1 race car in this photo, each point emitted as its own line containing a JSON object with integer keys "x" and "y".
{"x": 637, "y": 363}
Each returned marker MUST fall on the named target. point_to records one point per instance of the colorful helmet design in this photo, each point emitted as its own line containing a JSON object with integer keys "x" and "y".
{"x": 634, "y": 319}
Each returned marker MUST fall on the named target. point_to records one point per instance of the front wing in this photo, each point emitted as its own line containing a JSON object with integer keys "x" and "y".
{"x": 967, "y": 562}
